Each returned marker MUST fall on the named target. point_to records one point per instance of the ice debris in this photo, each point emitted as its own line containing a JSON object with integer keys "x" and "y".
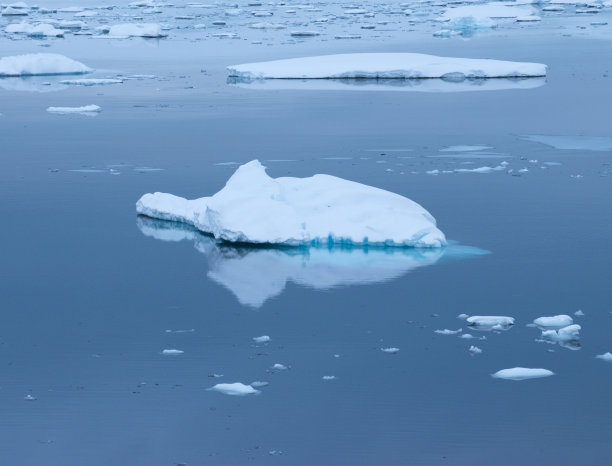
{"x": 490, "y": 322}
{"x": 83, "y": 109}
{"x": 390, "y": 350}
{"x": 262, "y": 339}
{"x": 172, "y": 352}
{"x": 234, "y": 389}
{"x": 554, "y": 322}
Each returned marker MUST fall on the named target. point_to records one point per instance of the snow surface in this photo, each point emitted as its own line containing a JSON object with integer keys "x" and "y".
{"x": 384, "y": 65}
{"x": 84, "y": 109}
{"x": 40, "y": 64}
{"x": 322, "y": 209}
{"x": 522, "y": 373}
{"x": 554, "y": 322}
{"x": 147, "y": 30}
{"x": 234, "y": 389}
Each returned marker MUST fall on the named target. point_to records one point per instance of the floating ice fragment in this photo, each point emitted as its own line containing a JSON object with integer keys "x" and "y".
{"x": 262, "y": 339}
{"x": 323, "y": 209}
{"x": 474, "y": 350}
{"x": 554, "y": 322}
{"x": 32, "y": 398}
{"x": 462, "y": 316}
{"x": 481, "y": 169}
{"x": 390, "y": 350}
{"x": 384, "y": 65}
{"x": 606, "y": 356}
{"x": 466, "y": 336}
{"x": 84, "y": 109}
{"x": 571, "y": 333}
{"x": 34, "y": 64}
{"x": 304, "y": 33}
{"x": 332, "y": 377}
{"x": 448, "y": 332}
{"x": 579, "y": 313}
{"x": 236, "y": 389}
{"x": 259, "y": 384}
{"x": 521, "y": 373}
{"x": 172, "y": 352}
{"x": 91, "y": 81}
{"x": 34, "y": 30}
{"x": 279, "y": 367}
{"x": 490, "y": 322}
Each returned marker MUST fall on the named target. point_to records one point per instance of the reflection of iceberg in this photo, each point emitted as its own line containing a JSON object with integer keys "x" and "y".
{"x": 414, "y": 85}
{"x": 256, "y": 274}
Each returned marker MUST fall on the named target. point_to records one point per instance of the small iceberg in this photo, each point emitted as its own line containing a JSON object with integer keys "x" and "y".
{"x": 554, "y": 322}
{"x": 262, "y": 339}
{"x": 257, "y": 209}
{"x": 37, "y": 64}
{"x": 66, "y": 110}
{"x": 522, "y": 373}
{"x": 385, "y": 65}
{"x": 234, "y": 389}
{"x": 448, "y": 332}
{"x": 490, "y": 322}
{"x": 391, "y": 350}
{"x": 172, "y": 352}
{"x": 567, "y": 337}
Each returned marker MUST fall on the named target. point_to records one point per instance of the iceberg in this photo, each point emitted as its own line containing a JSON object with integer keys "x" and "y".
{"x": 256, "y": 274}
{"x": 235, "y": 389}
{"x": 36, "y": 64}
{"x": 554, "y": 322}
{"x": 34, "y": 30}
{"x": 146, "y": 30}
{"x": 490, "y": 322}
{"x": 385, "y": 65}
{"x": 322, "y": 209}
{"x": 522, "y": 373}
{"x": 567, "y": 337}
{"x": 605, "y": 357}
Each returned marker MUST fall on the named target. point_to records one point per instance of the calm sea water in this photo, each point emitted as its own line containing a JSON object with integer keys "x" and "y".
{"x": 89, "y": 291}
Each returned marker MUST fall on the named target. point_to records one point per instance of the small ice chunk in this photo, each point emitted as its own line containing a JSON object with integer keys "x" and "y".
{"x": 565, "y": 334}
{"x": 390, "y": 350}
{"x": 474, "y": 350}
{"x": 83, "y": 109}
{"x": 235, "y": 389}
{"x": 606, "y": 356}
{"x": 332, "y": 377}
{"x": 172, "y": 351}
{"x": 448, "y": 332}
{"x": 554, "y": 322}
{"x": 33, "y": 398}
{"x": 521, "y": 373}
{"x": 304, "y": 33}
{"x": 462, "y": 316}
{"x": 262, "y": 339}
{"x": 490, "y": 322}
{"x": 91, "y": 81}
{"x": 467, "y": 336}
{"x": 259, "y": 384}
{"x": 579, "y": 313}
{"x": 279, "y": 367}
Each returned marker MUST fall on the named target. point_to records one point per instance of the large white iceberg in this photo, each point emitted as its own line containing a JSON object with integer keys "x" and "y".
{"x": 321, "y": 209}
{"x": 385, "y": 65}
{"x": 40, "y": 64}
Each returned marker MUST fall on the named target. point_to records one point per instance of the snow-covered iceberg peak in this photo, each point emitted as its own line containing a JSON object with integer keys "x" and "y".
{"x": 385, "y": 65}
{"x": 34, "y": 64}
{"x": 321, "y": 209}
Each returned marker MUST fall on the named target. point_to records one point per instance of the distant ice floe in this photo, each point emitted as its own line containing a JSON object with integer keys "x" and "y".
{"x": 146, "y": 30}
{"x": 448, "y": 332}
{"x": 262, "y": 339}
{"x": 34, "y": 30}
{"x": 385, "y": 65}
{"x": 66, "y": 110}
{"x": 593, "y": 143}
{"x": 554, "y": 322}
{"x": 474, "y": 350}
{"x": 234, "y": 389}
{"x": 522, "y": 373}
{"x": 490, "y": 322}
{"x": 91, "y": 81}
{"x": 467, "y": 18}
{"x": 605, "y": 357}
{"x": 485, "y": 169}
{"x": 34, "y": 64}
{"x": 257, "y": 274}
{"x": 322, "y": 209}
{"x": 390, "y": 350}
{"x": 172, "y": 352}
{"x": 465, "y": 148}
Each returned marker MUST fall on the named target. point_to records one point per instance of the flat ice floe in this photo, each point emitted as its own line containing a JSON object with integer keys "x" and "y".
{"x": 241, "y": 269}
{"x": 322, "y": 209}
{"x": 522, "y": 373}
{"x": 385, "y": 65}
{"x": 34, "y": 64}
{"x": 84, "y": 109}
{"x": 605, "y": 357}
{"x": 554, "y": 322}
{"x": 235, "y": 389}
